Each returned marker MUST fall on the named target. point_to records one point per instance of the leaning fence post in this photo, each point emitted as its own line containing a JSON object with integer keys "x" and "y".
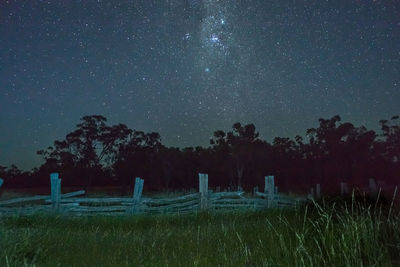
{"x": 55, "y": 191}
{"x": 137, "y": 195}
{"x": 203, "y": 189}
{"x": 269, "y": 188}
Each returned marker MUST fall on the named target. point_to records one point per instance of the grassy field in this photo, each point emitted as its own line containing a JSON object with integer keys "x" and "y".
{"x": 334, "y": 234}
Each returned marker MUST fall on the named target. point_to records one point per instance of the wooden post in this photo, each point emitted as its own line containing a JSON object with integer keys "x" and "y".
{"x": 318, "y": 190}
{"x": 271, "y": 191}
{"x": 203, "y": 189}
{"x": 269, "y": 184}
{"x": 312, "y": 191}
{"x": 1, "y": 183}
{"x": 373, "y": 188}
{"x": 269, "y": 188}
{"x": 55, "y": 191}
{"x": 344, "y": 188}
{"x": 137, "y": 196}
{"x": 255, "y": 189}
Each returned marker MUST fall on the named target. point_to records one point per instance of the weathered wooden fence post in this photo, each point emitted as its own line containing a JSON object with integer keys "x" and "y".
{"x": 1, "y": 183}
{"x": 203, "y": 189}
{"x": 55, "y": 191}
{"x": 373, "y": 188}
{"x": 312, "y": 193}
{"x": 344, "y": 188}
{"x": 137, "y": 196}
{"x": 255, "y": 189}
{"x": 269, "y": 189}
{"x": 318, "y": 190}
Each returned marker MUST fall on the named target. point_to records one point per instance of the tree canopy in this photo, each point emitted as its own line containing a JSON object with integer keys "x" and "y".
{"x": 95, "y": 153}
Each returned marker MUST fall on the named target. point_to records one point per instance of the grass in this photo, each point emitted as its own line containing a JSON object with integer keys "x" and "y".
{"x": 321, "y": 234}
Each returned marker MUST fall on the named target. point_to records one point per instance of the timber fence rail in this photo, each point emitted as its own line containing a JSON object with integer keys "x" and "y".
{"x": 74, "y": 204}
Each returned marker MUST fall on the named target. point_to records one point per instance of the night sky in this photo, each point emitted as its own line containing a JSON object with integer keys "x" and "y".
{"x": 185, "y": 68}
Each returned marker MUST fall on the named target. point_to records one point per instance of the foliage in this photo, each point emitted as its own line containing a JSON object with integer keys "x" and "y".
{"x": 98, "y": 154}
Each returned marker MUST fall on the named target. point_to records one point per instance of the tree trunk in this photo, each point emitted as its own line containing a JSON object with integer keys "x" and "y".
{"x": 239, "y": 170}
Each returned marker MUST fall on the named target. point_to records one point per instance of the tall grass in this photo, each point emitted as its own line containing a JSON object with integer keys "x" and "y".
{"x": 320, "y": 234}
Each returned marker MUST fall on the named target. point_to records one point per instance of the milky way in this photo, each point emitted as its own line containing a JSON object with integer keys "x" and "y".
{"x": 185, "y": 68}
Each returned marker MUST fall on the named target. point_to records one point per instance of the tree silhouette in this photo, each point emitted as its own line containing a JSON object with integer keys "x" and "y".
{"x": 238, "y": 144}
{"x": 338, "y": 151}
{"x": 333, "y": 152}
{"x": 87, "y": 149}
{"x": 135, "y": 157}
{"x": 391, "y": 135}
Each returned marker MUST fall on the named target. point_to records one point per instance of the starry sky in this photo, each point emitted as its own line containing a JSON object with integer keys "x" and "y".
{"x": 185, "y": 68}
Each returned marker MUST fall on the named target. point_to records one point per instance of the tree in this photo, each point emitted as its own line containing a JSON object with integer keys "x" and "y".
{"x": 339, "y": 149}
{"x": 238, "y": 144}
{"x": 93, "y": 140}
{"x": 86, "y": 150}
{"x": 391, "y": 135}
{"x": 136, "y": 156}
{"x": 3, "y": 171}
{"x": 332, "y": 152}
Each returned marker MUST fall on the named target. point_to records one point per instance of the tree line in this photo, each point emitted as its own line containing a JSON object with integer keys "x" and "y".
{"x": 97, "y": 154}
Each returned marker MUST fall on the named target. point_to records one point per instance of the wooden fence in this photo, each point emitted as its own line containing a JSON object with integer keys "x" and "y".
{"x": 205, "y": 199}
{"x": 373, "y": 189}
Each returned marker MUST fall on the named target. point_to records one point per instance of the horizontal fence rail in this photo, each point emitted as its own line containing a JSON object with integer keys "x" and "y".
{"x": 73, "y": 203}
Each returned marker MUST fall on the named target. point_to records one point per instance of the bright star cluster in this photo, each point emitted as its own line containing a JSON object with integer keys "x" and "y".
{"x": 185, "y": 68}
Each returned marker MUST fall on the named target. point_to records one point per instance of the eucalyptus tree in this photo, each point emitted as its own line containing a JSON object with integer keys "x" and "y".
{"x": 391, "y": 134}
{"x": 389, "y": 149}
{"x": 88, "y": 149}
{"x": 138, "y": 156}
{"x": 237, "y": 144}
{"x": 340, "y": 151}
